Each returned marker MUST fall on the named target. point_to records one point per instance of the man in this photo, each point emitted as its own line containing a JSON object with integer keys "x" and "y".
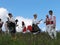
{"x": 35, "y": 28}
{"x": 12, "y": 25}
{"x": 1, "y": 24}
{"x": 52, "y": 29}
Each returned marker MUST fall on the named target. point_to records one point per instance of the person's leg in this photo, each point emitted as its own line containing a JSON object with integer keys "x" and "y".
{"x": 47, "y": 28}
{"x": 50, "y": 31}
{"x": 13, "y": 33}
{"x": 38, "y": 30}
{"x": 32, "y": 28}
{"x": 54, "y": 32}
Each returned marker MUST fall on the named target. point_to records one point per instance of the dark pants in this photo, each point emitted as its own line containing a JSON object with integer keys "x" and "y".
{"x": 35, "y": 28}
{"x": 12, "y": 27}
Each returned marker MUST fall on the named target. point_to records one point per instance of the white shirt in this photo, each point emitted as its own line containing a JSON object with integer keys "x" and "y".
{"x": 35, "y": 21}
{"x": 11, "y": 19}
{"x": 53, "y": 18}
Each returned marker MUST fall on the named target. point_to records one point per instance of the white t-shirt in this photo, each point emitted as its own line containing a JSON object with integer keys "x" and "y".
{"x": 53, "y": 18}
{"x": 11, "y": 19}
{"x": 35, "y": 21}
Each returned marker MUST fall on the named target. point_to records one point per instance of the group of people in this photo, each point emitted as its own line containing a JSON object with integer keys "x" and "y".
{"x": 50, "y": 22}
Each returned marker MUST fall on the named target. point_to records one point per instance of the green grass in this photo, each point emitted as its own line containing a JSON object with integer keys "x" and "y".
{"x": 29, "y": 39}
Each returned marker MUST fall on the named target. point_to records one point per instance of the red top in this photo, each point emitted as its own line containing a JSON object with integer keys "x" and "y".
{"x": 24, "y": 29}
{"x": 29, "y": 28}
{"x": 47, "y": 21}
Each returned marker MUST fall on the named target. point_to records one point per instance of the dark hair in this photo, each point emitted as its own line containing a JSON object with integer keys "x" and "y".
{"x": 9, "y": 14}
{"x": 35, "y": 15}
{"x": 23, "y": 23}
{"x": 51, "y": 11}
{"x": 16, "y": 20}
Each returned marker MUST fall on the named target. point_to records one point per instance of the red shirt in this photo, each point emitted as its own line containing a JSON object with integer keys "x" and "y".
{"x": 24, "y": 29}
{"x": 29, "y": 28}
{"x": 47, "y": 21}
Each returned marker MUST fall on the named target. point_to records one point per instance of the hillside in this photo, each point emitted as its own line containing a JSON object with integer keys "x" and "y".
{"x": 29, "y": 39}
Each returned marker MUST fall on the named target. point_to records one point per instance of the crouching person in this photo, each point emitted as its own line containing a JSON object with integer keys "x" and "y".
{"x": 12, "y": 26}
{"x": 35, "y": 28}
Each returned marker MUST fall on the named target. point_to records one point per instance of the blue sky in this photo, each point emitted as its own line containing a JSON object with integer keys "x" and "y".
{"x": 26, "y": 8}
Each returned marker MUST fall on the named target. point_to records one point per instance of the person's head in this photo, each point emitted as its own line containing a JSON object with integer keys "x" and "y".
{"x": 10, "y": 15}
{"x": 35, "y": 16}
{"x": 23, "y": 23}
{"x": 51, "y": 12}
{"x": 47, "y": 16}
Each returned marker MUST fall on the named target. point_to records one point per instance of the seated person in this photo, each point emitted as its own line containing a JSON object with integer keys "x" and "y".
{"x": 35, "y": 23}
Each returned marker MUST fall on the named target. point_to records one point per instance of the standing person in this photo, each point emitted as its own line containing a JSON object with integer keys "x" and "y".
{"x": 47, "y": 21}
{"x": 1, "y": 24}
{"x": 23, "y": 27}
{"x": 12, "y": 25}
{"x": 35, "y": 28}
{"x": 52, "y": 32}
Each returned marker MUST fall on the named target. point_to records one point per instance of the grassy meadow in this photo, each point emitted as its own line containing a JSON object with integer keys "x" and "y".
{"x": 29, "y": 39}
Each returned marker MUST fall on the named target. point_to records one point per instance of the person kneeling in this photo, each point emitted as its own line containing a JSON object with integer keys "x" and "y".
{"x": 35, "y": 28}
